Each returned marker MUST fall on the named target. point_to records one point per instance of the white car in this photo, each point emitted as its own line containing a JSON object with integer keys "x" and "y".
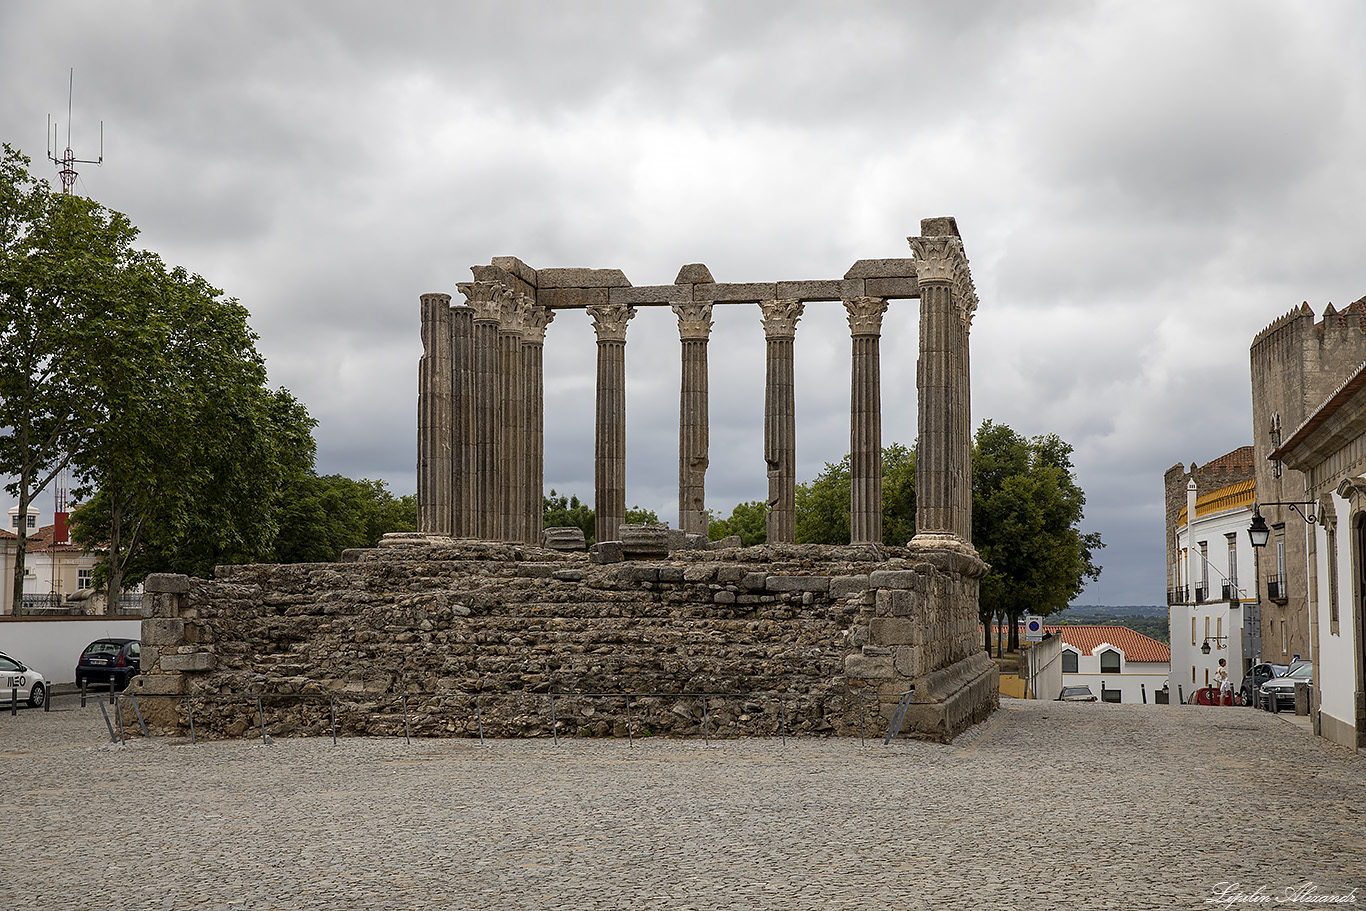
{"x": 31, "y": 685}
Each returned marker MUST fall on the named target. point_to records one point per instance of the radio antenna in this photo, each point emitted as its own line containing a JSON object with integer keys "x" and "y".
{"x": 68, "y": 160}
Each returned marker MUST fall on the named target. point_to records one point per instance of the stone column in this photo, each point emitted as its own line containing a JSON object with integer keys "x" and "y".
{"x": 609, "y": 469}
{"x": 533, "y": 343}
{"x": 694, "y": 328}
{"x": 485, "y": 299}
{"x": 780, "y": 421}
{"x": 434, "y": 501}
{"x": 943, "y": 465}
{"x": 463, "y": 447}
{"x": 865, "y": 420}
{"x": 511, "y": 453}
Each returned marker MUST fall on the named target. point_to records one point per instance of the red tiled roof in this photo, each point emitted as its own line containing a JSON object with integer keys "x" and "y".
{"x": 1240, "y": 458}
{"x": 1086, "y": 639}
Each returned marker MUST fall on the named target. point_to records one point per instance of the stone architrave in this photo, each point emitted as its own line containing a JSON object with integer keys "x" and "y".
{"x": 694, "y": 328}
{"x": 485, "y": 299}
{"x": 609, "y": 470}
{"x": 463, "y": 430}
{"x": 537, "y": 318}
{"x": 511, "y": 418}
{"x": 434, "y": 417}
{"x": 865, "y": 420}
{"x": 943, "y": 466}
{"x": 780, "y": 418}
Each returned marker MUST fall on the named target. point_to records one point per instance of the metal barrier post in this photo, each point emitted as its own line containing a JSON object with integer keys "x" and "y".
{"x": 1143, "y": 691}
{"x": 14, "y": 700}
{"x": 1180, "y": 696}
{"x": 479, "y": 713}
{"x": 105, "y": 713}
{"x": 261, "y": 717}
{"x": 84, "y": 683}
{"x": 554, "y": 731}
{"x": 630, "y": 739}
{"x": 189, "y": 710}
{"x": 332, "y": 704}
{"x": 407, "y": 737}
{"x": 47, "y": 699}
{"x": 118, "y": 713}
{"x": 706, "y": 737}
{"x": 142, "y": 724}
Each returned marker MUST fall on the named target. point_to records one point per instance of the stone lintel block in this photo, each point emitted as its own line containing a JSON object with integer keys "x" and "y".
{"x": 939, "y": 226}
{"x": 700, "y": 572}
{"x": 729, "y": 573}
{"x": 159, "y": 684}
{"x": 569, "y": 575}
{"x": 798, "y": 583}
{"x": 605, "y": 552}
{"x": 820, "y": 290}
{"x": 754, "y": 599}
{"x": 160, "y": 604}
{"x": 726, "y": 292}
{"x": 505, "y": 277}
{"x": 882, "y": 268}
{"x": 637, "y": 574}
{"x": 651, "y": 295}
{"x": 581, "y": 278}
{"x": 893, "y": 578}
{"x": 678, "y": 539}
{"x": 869, "y": 666}
{"x": 844, "y": 586}
{"x": 694, "y": 274}
{"x": 892, "y": 288}
{"x": 571, "y": 298}
{"x": 754, "y": 581}
{"x": 167, "y": 631}
{"x": 892, "y": 631}
{"x": 671, "y": 574}
{"x": 897, "y": 602}
{"x": 723, "y": 543}
{"x": 191, "y": 663}
{"x": 537, "y": 570}
{"x": 695, "y": 542}
{"x": 518, "y": 268}
{"x": 171, "y": 583}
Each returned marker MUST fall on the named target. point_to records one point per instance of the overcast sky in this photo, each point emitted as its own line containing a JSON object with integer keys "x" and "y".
{"x": 1141, "y": 187}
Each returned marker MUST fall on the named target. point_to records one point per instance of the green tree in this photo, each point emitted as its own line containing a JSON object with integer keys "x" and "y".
{"x": 322, "y": 516}
{"x": 749, "y": 520}
{"x": 823, "y": 504}
{"x": 61, "y": 258}
{"x": 1027, "y": 510}
{"x": 565, "y": 512}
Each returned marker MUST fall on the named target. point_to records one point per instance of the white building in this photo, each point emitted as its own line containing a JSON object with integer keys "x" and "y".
{"x": 1117, "y": 663}
{"x": 1329, "y": 448}
{"x": 54, "y": 568}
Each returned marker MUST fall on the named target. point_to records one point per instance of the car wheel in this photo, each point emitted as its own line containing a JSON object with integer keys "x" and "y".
{"x": 37, "y": 695}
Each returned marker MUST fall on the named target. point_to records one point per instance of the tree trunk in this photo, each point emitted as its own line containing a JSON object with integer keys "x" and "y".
{"x": 1014, "y": 643}
{"x": 22, "y": 546}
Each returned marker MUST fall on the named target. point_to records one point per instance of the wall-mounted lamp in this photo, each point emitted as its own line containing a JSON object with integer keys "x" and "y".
{"x": 1258, "y": 530}
{"x": 1218, "y": 643}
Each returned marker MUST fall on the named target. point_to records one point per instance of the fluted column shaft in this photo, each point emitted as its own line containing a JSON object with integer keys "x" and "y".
{"x": 694, "y": 328}
{"x": 780, "y": 418}
{"x": 865, "y": 420}
{"x": 485, "y": 298}
{"x": 434, "y": 495}
{"x": 511, "y": 453}
{"x": 533, "y": 344}
{"x": 943, "y": 466}
{"x": 609, "y": 449}
{"x": 463, "y": 421}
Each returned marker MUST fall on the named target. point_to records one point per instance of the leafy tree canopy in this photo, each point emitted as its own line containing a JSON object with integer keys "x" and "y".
{"x": 823, "y": 504}
{"x": 568, "y": 511}
{"x": 749, "y": 520}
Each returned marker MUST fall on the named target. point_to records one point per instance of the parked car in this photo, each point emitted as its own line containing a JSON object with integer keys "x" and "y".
{"x": 1279, "y": 692}
{"x": 1076, "y": 694}
{"x": 15, "y": 676}
{"x": 1255, "y": 677}
{"x": 111, "y": 661}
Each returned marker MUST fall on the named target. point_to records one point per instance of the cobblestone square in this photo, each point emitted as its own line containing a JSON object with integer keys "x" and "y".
{"x": 1046, "y": 805}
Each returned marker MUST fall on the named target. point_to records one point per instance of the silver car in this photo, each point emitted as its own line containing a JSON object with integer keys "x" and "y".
{"x": 21, "y": 682}
{"x": 1279, "y": 692}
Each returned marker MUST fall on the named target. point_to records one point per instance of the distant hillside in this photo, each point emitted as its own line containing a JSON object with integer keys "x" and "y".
{"x": 1150, "y": 620}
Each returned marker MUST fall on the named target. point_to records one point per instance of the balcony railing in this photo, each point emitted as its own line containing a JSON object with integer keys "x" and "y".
{"x": 1275, "y": 588}
{"x": 1200, "y": 592}
{"x": 1230, "y": 592}
{"x": 1178, "y": 595}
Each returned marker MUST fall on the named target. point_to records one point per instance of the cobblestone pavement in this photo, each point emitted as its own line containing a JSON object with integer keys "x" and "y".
{"x": 1046, "y": 805}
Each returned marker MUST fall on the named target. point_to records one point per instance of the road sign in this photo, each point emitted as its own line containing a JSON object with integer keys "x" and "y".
{"x": 1033, "y": 625}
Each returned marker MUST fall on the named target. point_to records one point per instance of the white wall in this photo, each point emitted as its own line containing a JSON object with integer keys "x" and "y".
{"x": 53, "y": 645}
{"x": 1224, "y": 619}
{"x": 1335, "y": 663}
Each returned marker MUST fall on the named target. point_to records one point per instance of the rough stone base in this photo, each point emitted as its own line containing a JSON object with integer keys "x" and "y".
{"x": 949, "y": 701}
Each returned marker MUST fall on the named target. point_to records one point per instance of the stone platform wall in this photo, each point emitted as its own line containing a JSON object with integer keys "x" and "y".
{"x": 512, "y": 624}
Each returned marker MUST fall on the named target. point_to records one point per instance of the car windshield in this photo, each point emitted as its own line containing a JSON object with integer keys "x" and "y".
{"x": 1303, "y": 672}
{"x": 101, "y": 648}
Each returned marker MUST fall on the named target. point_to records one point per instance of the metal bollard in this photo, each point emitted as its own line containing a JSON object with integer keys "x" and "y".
{"x": 84, "y": 684}
{"x": 14, "y": 700}
{"x": 407, "y": 738}
{"x": 189, "y": 710}
{"x": 47, "y": 700}
{"x": 1143, "y": 691}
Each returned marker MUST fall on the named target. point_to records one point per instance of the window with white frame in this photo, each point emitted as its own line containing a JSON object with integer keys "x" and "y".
{"x": 1069, "y": 661}
{"x": 1232, "y": 564}
{"x": 1109, "y": 661}
{"x": 83, "y": 578}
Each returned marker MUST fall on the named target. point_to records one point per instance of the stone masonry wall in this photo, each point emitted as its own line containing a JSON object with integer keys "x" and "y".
{"x": 494, "y": 629}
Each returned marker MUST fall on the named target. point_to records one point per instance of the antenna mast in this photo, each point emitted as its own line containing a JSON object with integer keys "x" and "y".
{"x": 66, "y": 163}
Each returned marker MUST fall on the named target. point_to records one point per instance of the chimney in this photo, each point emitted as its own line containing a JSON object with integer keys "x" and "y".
{"x": 59, "y": 529}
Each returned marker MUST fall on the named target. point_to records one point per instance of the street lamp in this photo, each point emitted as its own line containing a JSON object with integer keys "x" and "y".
{"x": 1258, "y": 530}
{"x": 1205, "y": 648}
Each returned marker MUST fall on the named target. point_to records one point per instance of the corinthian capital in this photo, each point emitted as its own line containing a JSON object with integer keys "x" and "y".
{"x": 941, "y": 259}
{"x": 694, "y": 320}
{"x": 780, "y": 317}
{"x": 485, "y": 299}
{"x": 609, "y": 321}
{"x": 512, "y": 312}
{"x": 537, "y": 318}
{"x": 865, "y": 315}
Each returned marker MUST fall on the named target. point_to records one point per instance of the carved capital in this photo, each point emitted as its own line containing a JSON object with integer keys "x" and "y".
{"x": 865, "y": 315}
{"x": 537, "y": 318}
{"x": 780, "y": 317}
{"x": 942, "y": 259}
{"x": 609, "y": 321}
{"x": 694, "y": 320}
{"x": 512, "y": 310}
{"x": 485, "y": 299}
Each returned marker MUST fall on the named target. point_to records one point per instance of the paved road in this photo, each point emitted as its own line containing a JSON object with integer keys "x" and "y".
{"x": 1046, "y": 805}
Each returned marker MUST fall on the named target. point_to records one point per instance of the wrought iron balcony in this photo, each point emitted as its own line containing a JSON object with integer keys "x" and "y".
{"x": 1275, "y": 588}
